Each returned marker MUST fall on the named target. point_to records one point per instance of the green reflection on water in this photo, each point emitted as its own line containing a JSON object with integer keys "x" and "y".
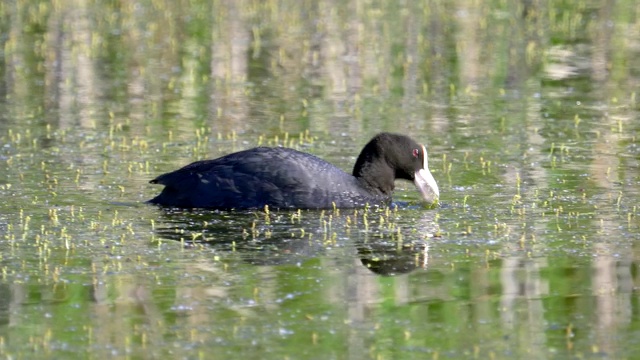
{"x": 528, "y": 110}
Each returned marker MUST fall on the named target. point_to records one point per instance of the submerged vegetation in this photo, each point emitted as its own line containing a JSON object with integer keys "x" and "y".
{"x": 528, "y": 109}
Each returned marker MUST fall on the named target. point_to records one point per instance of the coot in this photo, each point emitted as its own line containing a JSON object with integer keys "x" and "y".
{"x": 284, "y": 178}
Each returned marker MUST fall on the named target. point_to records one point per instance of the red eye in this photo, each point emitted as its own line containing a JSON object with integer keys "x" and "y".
{"x": 416, "y": 152}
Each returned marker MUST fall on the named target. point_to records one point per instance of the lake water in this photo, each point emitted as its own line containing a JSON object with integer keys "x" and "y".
{"x": 528, "y": 109}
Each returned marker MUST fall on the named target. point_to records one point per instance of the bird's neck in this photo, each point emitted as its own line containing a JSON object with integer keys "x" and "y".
{"x": 376, "y": 176}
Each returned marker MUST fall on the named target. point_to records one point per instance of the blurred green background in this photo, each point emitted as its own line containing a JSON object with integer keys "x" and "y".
{"x": 528, "y": 109}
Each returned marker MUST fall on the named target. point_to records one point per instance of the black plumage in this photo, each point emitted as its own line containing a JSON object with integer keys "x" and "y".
{"x": 284, "y": 178}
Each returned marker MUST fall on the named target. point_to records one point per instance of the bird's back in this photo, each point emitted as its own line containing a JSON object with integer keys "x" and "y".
{"x": 278, "y": 177}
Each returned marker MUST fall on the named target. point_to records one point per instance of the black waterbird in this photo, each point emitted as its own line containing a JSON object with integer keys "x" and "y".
{"x": 283, "y": 178}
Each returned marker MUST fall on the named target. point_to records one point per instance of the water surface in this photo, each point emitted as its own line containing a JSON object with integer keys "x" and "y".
{"x": 528, "y": 111}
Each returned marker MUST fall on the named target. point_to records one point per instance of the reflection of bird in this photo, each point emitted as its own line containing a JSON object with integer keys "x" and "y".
{"x": 286, "y": 178}
{"x": 387, "y": 259}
